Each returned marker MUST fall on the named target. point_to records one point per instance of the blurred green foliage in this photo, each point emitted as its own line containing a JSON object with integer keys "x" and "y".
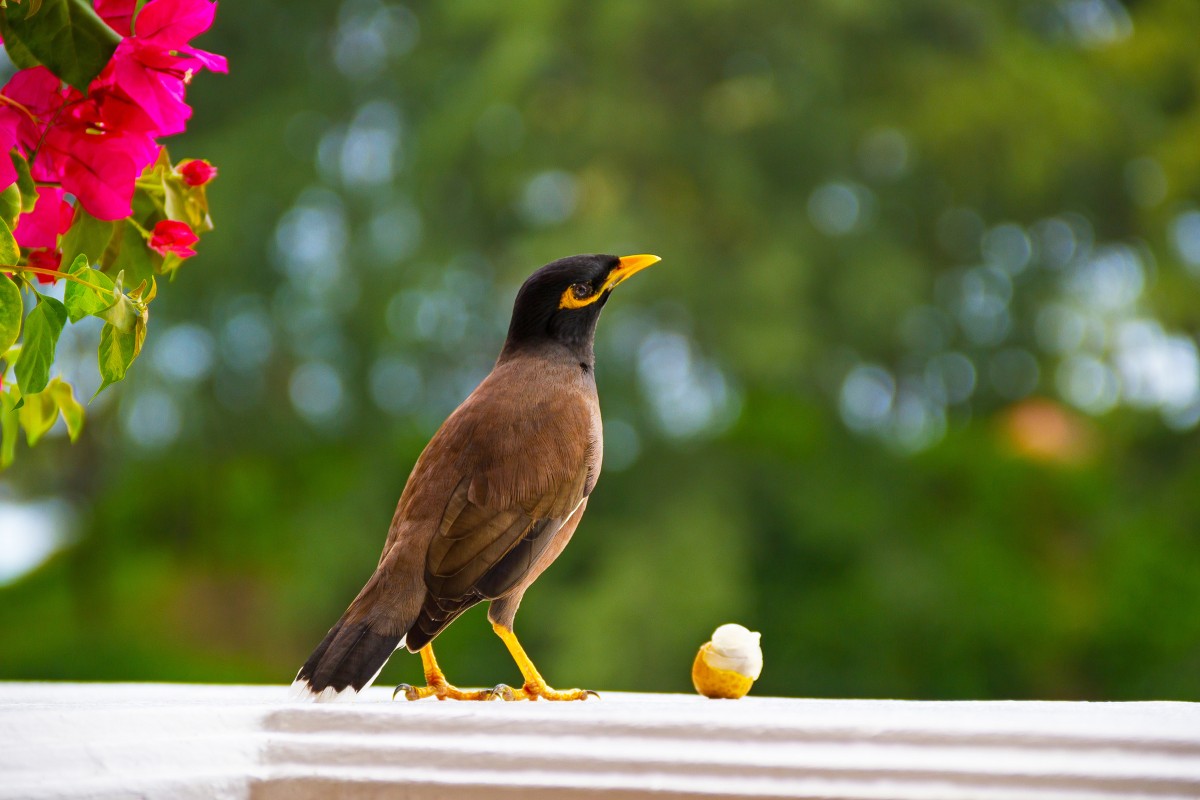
{"x": 882, "y": 226}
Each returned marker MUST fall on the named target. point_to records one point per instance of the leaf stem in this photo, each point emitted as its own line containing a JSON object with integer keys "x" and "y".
{"x": 145, "y": 233}
{"x": 56, "y": 274}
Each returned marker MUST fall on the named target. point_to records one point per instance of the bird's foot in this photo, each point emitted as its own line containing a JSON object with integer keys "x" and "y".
{"x": 437, "y": 686}
{"x": 445, "y": 691}
{"x": 535, "y": 691}
{"x": 535, "y": 686}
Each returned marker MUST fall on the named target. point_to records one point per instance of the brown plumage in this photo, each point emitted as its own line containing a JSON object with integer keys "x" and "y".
{"x": 493, "y": 499}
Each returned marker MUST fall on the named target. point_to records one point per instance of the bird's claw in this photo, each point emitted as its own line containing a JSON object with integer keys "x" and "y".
{"x": 535, "y": 691}
{"x": 410, "y": 692}
{"x": 502, "y": 691}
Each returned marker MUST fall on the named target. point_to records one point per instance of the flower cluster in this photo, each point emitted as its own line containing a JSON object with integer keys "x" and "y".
{"x": 95, "y": 146}
{"x": 87, "y": 194}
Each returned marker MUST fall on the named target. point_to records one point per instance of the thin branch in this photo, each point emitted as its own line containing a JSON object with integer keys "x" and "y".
{"x": 43, "y": 271}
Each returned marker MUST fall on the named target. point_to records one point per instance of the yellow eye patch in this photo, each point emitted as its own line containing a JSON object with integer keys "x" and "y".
{"x": 626, "y": 266}
{"x": 572, "y": 300}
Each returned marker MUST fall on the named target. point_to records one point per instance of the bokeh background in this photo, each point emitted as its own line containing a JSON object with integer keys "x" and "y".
{"x": 914, "y": 392}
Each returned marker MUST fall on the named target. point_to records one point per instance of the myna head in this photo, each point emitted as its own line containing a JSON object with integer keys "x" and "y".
{"x": 561, "y": 302}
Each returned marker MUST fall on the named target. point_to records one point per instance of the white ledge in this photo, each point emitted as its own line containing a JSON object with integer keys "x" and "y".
{"x": 163, "y": 740}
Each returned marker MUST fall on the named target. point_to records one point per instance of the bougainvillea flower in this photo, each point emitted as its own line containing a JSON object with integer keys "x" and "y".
{"x": 35, "y": 93}
{"x": 118, "y": 14}
{"x": 8, "y": 139}
{"x": 96, "y": 145}
{"x": 75, "y": 145}
{"x": 172, "y": 24}
{"x": 75, "y": 148}
{"x": 45, "y": 259}
{"x": 99, "y": 167}
{"x": 171, "y": 237}
{"x": 113, "y": 110}
{"x": 37, "y": 89}
{"x": 197, "y": 172}
{"x": 153, "y": 66}
{"x": 154, "y": 80}
{"x": 16, "y": 125}
{"x": 39, "y": 97}
{"x": 50, "y": 217}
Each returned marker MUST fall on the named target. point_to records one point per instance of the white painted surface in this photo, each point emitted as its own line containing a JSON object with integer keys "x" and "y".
{"x": 161, "y": 740}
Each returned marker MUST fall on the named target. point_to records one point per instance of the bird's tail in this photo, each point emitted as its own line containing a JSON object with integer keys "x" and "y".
{"x": 346, "y": 661}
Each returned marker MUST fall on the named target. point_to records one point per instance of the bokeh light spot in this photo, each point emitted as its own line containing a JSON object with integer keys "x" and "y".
{"x": 1007, "y": 247}
{"x": 183, "y": 353}
{"x": 1185, "y": 235}
{"x": 622, "y": 445}
{"x": 866, "y": 397}
{"x": 950, "y": 377}
{"x": 370, "y": 147}
{"x": 836, "y": 208}
{"x": 152, "y": 420}
{"x": 31, "y": 532}
{"x": 316, "y": 391}
{"x": 396, "y": 385}
{"x": 549, "y": 198}
{"x": 1088, "y": 383}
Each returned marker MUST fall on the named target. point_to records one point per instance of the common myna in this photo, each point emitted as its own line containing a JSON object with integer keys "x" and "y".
{"x": 493, "y": 499}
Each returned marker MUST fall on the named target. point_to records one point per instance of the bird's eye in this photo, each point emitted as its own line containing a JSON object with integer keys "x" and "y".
{"x": 581, "y": 290}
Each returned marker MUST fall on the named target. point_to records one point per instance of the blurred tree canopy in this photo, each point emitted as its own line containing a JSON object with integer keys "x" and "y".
{"x": 914, "y": 391}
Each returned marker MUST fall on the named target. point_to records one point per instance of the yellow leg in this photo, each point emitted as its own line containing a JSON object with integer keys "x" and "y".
{"x": 437, "y": 686}
{"x": 535, "y": 685}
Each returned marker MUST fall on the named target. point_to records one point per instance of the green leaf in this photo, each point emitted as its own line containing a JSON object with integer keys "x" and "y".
{"x": 118, "y": 349}
{"x": 9, "y": 252}
{"x": 37, "y": 415}
{"x": 67, "y": 36}
{"x": 11, "y": 311}
{"x": 72, "y": 411}
{"x": 9, "y": 426}
{"x": 122, "y": 314}
{"x": 10, "y": 205}
{"x": 24, "y": 181}
{"x": 42, "y": 328}
{"x": 143, "y": 293}
{"x": 82, "y": 300}
{"x": 128, "y": 253}
{"x": 18, "y": 53}
{"x": 123, "y": 311}
{"x": 87, "y": 236}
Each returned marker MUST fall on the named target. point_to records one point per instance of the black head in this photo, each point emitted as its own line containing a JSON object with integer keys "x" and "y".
{"x": 561, "y": 302}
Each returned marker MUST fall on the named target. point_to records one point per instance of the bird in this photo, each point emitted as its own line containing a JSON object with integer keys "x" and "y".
{"x": 492, "y": 500}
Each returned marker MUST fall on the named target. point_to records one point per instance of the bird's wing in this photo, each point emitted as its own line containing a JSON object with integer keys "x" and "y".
{"x": 517, "y": 484}
{"x": 486, "y": 550}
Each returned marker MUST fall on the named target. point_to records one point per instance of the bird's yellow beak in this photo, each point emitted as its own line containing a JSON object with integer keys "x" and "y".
{"x": 628, "y": 265}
